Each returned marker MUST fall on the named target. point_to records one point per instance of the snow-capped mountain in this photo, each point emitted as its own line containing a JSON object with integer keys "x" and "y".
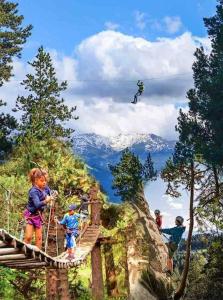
{"x": 99, "y": 152}
{"x": 120, "y": 142}
{"x": 152, "y": 142}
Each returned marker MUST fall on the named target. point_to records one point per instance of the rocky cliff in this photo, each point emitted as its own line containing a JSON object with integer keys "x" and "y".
{"x": 146, "y": 259}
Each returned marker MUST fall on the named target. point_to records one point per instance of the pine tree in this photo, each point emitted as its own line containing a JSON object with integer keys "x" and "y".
{"x": 7, "y": 125}
{"x": 206, "y": 98}
{"x": 184, "y": 170}
{"x": 128, "y": 176}
{"x": 12, "y": 37}
{"x": 206, "y": 104}
{"x": 44, "y": 112}
{"x": 150, "y": 174}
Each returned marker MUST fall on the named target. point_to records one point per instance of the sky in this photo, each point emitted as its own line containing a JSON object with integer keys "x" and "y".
{"x": 103, "y": 47}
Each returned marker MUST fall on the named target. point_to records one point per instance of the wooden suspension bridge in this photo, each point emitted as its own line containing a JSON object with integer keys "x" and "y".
{"x": 14, "y": 253}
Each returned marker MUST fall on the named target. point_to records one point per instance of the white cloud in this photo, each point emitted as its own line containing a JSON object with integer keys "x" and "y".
{"x": 111, "y": 26}
{"x": 102, "y": 81}
{"x": 112, "y": 62}
{"x": 173, "y": 202}
{"x": 172, "y": 24}
{"x": 108, "y": 118}
{"x": 140, "y": 19}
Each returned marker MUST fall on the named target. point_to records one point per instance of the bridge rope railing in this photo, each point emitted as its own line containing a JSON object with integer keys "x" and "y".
{"x": 14, "y": 253}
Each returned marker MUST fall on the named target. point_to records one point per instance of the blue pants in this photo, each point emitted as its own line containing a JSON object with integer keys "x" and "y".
{"x": 70, "y": 239}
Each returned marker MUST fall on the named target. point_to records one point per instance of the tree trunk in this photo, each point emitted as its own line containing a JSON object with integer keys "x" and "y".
{"x": 111, "y": 281}
{"x": 51, "y": 274}
{"x": 97, "y": 277}
{"x": 126, "y": 264}
{"x": 57, "y": 286}
{"x": 180, "y": 291}
{"x": 51, "y": 284}
{"x": 63, "y": 284}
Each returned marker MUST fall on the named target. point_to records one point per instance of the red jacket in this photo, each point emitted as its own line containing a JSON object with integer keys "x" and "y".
{"x": 159, "y": 221}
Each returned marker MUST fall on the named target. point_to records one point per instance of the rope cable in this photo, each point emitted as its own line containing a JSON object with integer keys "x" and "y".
{"x": 116, "y": 80}
{"x": 48, "y": 228}
{"x": 57, "y": 247}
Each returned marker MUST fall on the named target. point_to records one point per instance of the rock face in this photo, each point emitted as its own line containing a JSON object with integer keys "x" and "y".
{"x": 146, "y": 258}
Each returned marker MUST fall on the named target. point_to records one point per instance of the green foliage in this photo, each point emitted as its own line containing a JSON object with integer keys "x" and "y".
{"x": 206, "y": 274}
{"x": 206, "y": 98}
{"x": 67, "y": 173}
{"x": 156, "y": 287}
{"x": 44, "y": 112}
{"x": 150, "y": 174}
{"x": 12, "y": 37}
{"x": 110, "y": 216}
{"x": 7, "y": 125}
{"x": 15, "y": 284}
{"x": 130, "y": 174}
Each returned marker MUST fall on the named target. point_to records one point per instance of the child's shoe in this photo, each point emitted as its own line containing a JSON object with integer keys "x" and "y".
{"x": 71, "y": 257}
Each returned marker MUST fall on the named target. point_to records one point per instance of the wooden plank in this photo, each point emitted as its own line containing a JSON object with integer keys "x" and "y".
{"x": 21, "y": 261}
{"x": 2, "y": 244}
{"x": 12, "y": 257}
{"x": 29, "y": 266}
{"x": 9, "y": 251}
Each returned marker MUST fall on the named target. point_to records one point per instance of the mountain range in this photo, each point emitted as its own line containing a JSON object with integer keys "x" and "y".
{"x": 99, "y": 151}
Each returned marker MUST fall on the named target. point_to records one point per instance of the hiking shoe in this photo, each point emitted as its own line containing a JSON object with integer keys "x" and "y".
{"x": 70, "y": 257}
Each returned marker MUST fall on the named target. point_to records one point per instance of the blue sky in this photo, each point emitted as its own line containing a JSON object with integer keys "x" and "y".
{"x": 62, "y": 25}
{"x": 102, "y": 47}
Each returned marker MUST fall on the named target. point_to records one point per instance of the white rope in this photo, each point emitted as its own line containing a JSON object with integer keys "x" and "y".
{"x": 48, "y": 228}
{"x": 8, "y": 196}
{"x": 57, "y": 248}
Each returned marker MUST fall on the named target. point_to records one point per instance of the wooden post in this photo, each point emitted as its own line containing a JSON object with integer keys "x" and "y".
{"x": 57, "y": 286}
{"x": 63, "y": 284}
{"x": 51, "y": 274}
{"x": 96, "y": 260}
{"x": 111, "y": 282}
{"x": 97, "y": 277}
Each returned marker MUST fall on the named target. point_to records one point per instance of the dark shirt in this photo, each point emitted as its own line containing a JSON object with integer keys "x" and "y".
{"x": 36, "y": 197}
{"x": 84, "y": 203}
{"x": 175, "y": 233}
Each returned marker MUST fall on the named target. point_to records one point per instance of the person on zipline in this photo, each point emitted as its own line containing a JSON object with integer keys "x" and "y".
{"x": 158, "y": 218}
{"x": 70, "y": 223}
{"x": 38, "y": 197}
{"x": 139, "y": 92}
{"x": 174, "y": 240}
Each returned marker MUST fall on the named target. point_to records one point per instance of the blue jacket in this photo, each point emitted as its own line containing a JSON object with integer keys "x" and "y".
{"x": 36, "y": 197}
{"x": 175, "y": 233}
{"x": 70, "y": 221}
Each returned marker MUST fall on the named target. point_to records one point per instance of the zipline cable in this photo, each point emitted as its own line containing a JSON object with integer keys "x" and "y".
{"x": 115, "y": 80}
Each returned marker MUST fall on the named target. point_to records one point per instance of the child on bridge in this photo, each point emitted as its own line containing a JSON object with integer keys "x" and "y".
{"x": 174, "y": 240}
{"x": 39, "y": 196}
{"x": 70, "y": 223}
